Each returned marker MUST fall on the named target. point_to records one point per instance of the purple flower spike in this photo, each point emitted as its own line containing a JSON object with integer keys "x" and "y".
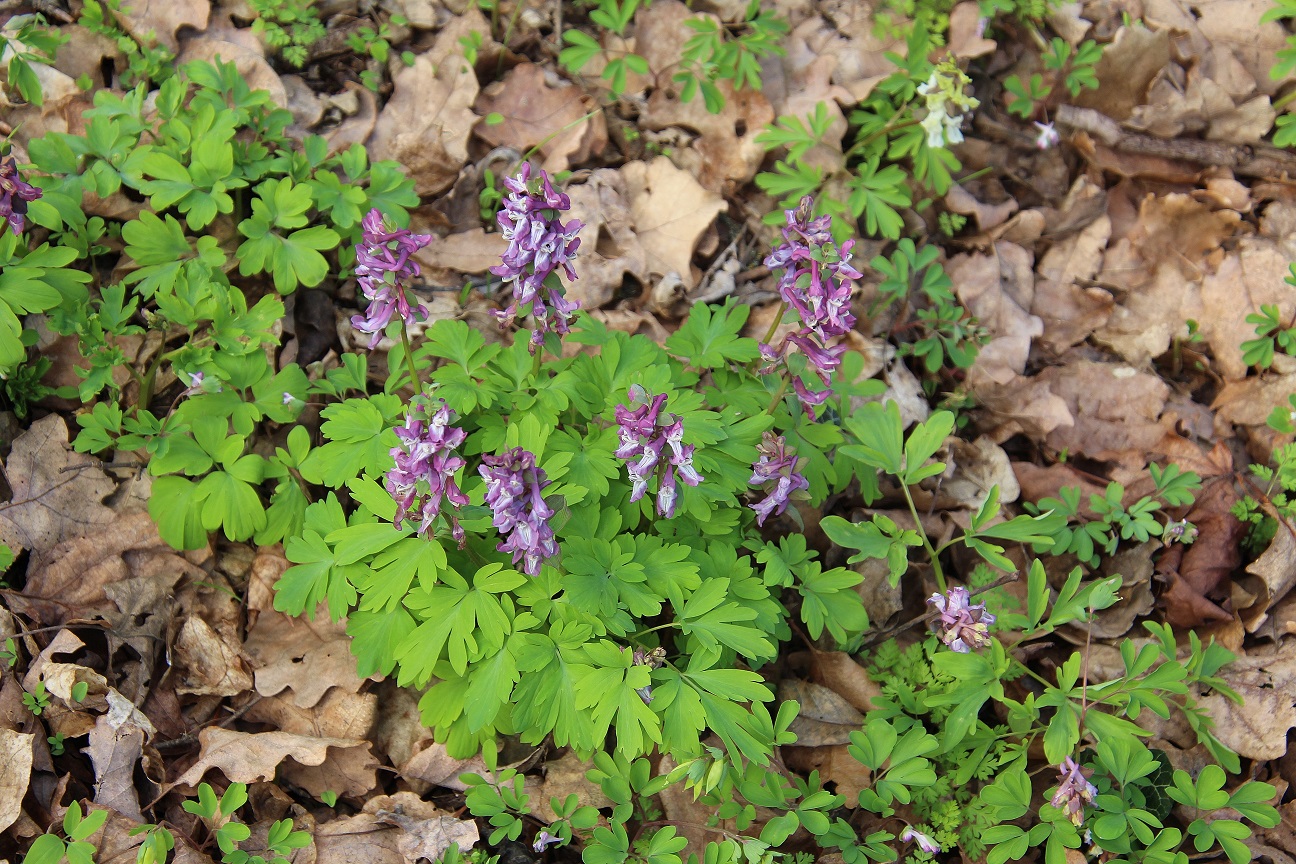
{"x": 426, "y": 464}
{"x": 515, "y": 493}
{"x": 1074, "y": 791}
{"x": 539, "y": 246}
{"x": 14, "y": 195}
{"x": 816, "y": 283}
{"x": 381, "y": 252}
{"x": 645, "y": 436}
{"x": 962, "y": 625}
{"x": 925, "y": 843}
{"x": 776, "y": 472}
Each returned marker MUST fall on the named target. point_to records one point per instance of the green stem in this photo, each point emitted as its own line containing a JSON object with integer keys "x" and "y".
{"x": 774, "y": 325}
{"x": 415, "y": 381}
{"x": 778, "y": 395}
{"x": 931, "y": 553}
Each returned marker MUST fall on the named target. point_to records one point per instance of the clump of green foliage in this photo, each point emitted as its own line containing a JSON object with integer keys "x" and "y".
{"x": 289, "y": 26}
{"x": 146, "y": 61}
{"x": 24, "y": 41}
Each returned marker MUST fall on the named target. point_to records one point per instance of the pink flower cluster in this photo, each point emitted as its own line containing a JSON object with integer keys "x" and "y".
{"x": 380, "y": 253}
{"x": 426, "y": 464}
{"x": 14, "y": 195}
{"x": 816, "y": 284}
{"x": 644, "y": 436}
{"x": 775, "y": 471}
{"x": 962, "y": 624}
{"x": 1074, "y": 791}
{"x": 515, "y": 493}
{"x": 539, "y": 245}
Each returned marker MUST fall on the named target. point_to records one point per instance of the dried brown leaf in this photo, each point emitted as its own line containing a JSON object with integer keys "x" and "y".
{"x": 147, "y": 20}
{"x": 50, "y": 504}
{"x": 426, "y": 124}
{"x": 998, "y": 289}
{"x": 967, "y": 33}
{"x": 307, "y": 656}
{"x": 541, "y": 113}
{"x": 318, "y": 765}
{"x": 211, "y": 665}
{"x": 1257, "y": 728}
{"x": 671, "y": 210}
{"x": 610, "y": 247}
{"x": 15, "y": 773}
{"x": 426, "y": 832}
{"x": 825, "y": 718}
{"x": 114, "y": 752}
{"x": 1245, "y": 280}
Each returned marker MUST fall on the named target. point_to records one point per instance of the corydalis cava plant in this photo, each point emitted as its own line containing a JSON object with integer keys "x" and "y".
{"x": 515, "y": 493}
{"x": 15, "y": 195}
{"x": 384, "y": 265}
{"x": 427, "y": 461}
{"x": 816, "y": 283}
{"x": 539, "y": 247}
{"x": 645, "y": 435}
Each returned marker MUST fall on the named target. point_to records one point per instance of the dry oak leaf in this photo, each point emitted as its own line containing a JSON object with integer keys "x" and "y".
{"x": 1070, "y": 311}
{"x": 146, "y": 19}
{"x": 610, "y": 247}
{"x": 426, "y": 124}
{"x": 50, "y": 504}
{"x": 309, "y": 657}
{"x": 671, "y": 210}
{"x": 1116, "y": 408}
{"x": 998, "y": 289}
{"x": 211, "y": 665}
{"x": 542, "y": 113}
{"x": 338, "y": 715}
{"x": 1244, "y": 281}
{"x": 1257, "y": 728}
{"x": 426, "y": 832}
{"x": 343, "y": 765}
{"x": 15, "y": 773}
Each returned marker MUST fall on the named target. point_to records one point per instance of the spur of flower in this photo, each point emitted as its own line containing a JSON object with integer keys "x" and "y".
{"x": 1074, "y": 791}
{"x": 777, "y": 472}
{"x": 540, "y": 245}
{"x": 515, "y": 493}
{"x": 426, "y": 464}
{"x": 384, "y": 266}
{"x": 962, "y": 624}
{"x": 652, "y": 444}
{"x": 925, "y": 843}
{"x": 15, "y": 195}
{"x": 816, "y": 282}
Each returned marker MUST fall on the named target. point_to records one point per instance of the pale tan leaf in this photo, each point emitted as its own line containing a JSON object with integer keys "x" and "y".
{"x": 541, "y": 113}
{"x": 51, "y": 504}
{"x": 15, "y": 773}
{"x": 341, "y": 765}
{"x": 211, "y": 665}
{"x": 671, "y": 210}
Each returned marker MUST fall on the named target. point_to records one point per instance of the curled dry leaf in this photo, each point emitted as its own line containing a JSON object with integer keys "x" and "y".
{"x": 1125, "y": 70}
{"x": 610, "y": 247}
{"x": 1071, "y": 311}
{"x": 147, "y": 19}
{"x": 15, "y": 773}
{"x": 114, "y": 752}
{"x": 826, "y": 717}
{"x": 1274, "y": 572}
{"x": 998, "y": 289}
{"x": 1199, "y": 574}
{"x": 541, "y": 113}
{"x": 1244, "y": 281}
{"x": 967, "y": 32}
{"x": 210, "y": 664}
{"x": 988, "y": 216}
{"x": 426, "y": 124}
{"x": 670, "y": 210}
{"x": 318, "y": 765}
{"x": 839, "y": 672}
{"x": 426, "y": 831}
{"x": 57, "y": 494}
{"x": 978, "y": 466}
{"x": 1257, "y": 728}
{"x": 307, "y": 656}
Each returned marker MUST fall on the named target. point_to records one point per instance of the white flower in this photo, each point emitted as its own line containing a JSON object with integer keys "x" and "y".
{"x": 1047, "y": 137}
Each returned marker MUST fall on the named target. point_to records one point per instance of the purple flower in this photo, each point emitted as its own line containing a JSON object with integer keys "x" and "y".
{"x": 775, "y": 471}
{"x": 962, "y": 625}
{"x": 1074, "y": 791}
{"x": 381, "y": 252}
{"x": 1183, "y": 531}
{"x": 515, "y": 493}
{"x": 816, "y": 284}
{"x": 426, "y": 463}
{"x": 645, "y": 436}
{"x": 925, "y": 843}
{"x": 544, "y": 839}
{"x": 14, "y": 195}
{"x": 539, "y": 245}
